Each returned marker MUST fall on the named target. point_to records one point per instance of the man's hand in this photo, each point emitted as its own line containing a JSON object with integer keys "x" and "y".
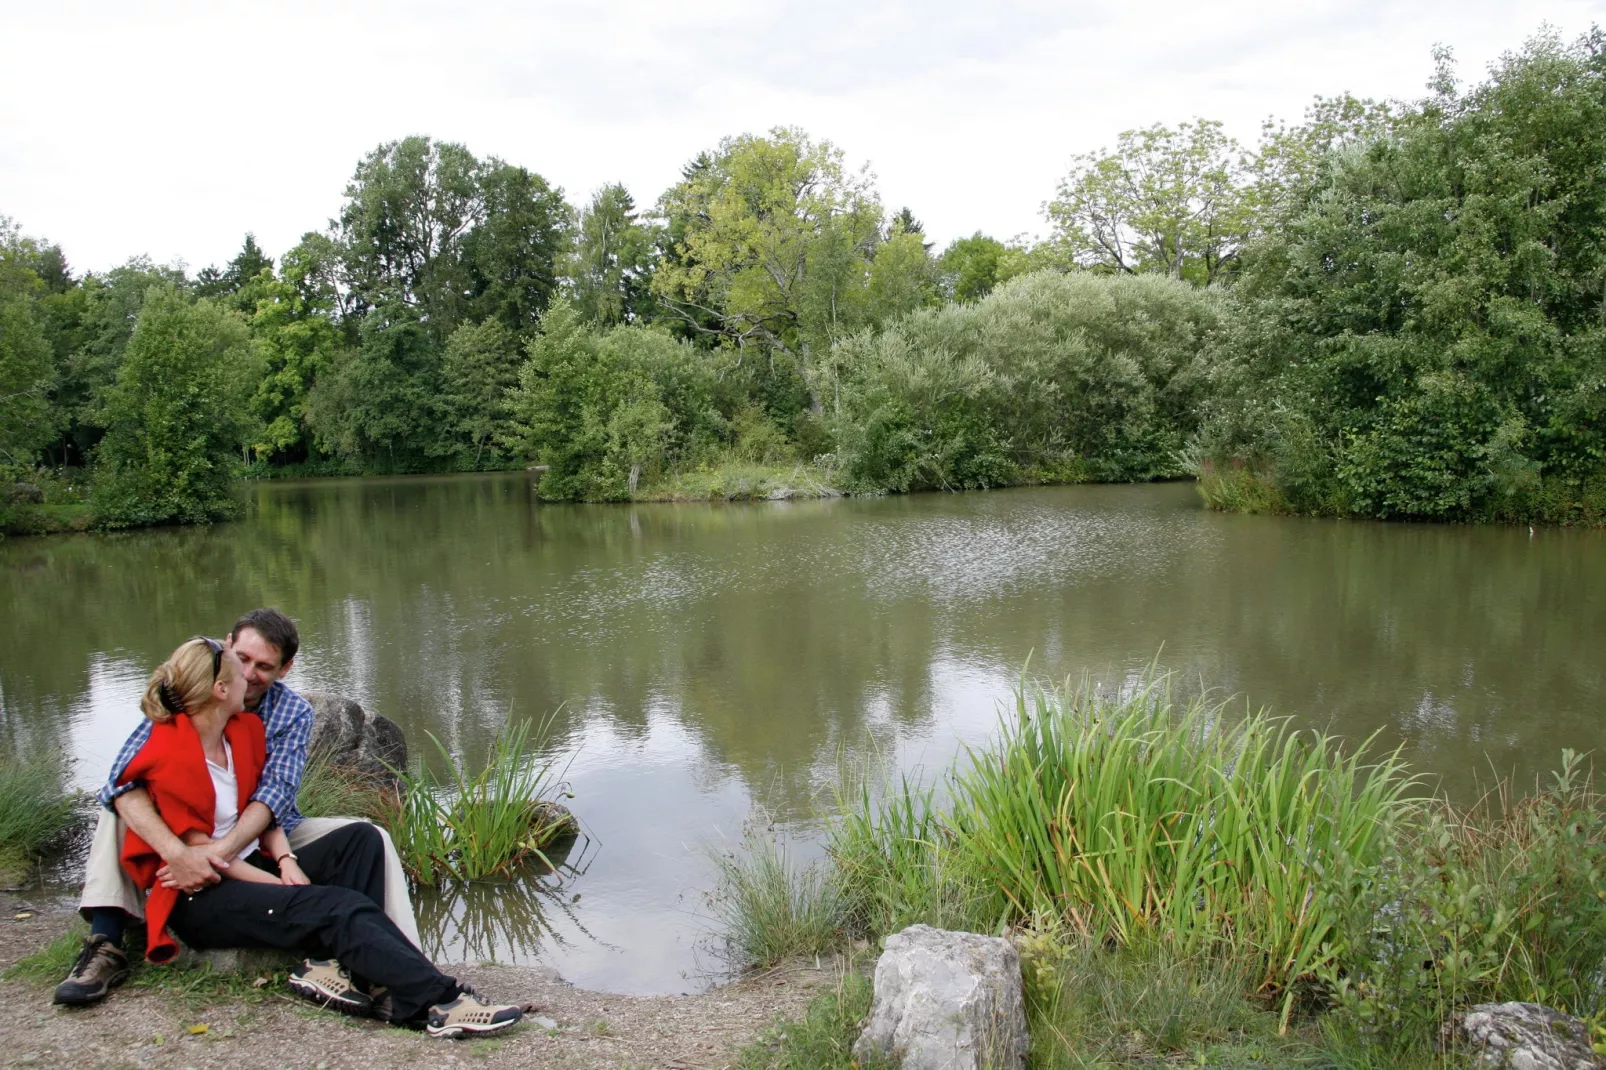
{"x": 290, "y": 872}
{"x": 193, "y": 868}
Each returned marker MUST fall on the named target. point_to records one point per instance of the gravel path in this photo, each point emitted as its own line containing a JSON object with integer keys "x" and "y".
{"x": 151, "y": 1028}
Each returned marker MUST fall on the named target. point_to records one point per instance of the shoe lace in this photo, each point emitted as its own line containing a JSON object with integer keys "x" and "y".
{"x": 85, "y": 957}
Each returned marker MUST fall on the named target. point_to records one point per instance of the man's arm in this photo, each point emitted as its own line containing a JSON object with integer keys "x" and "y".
{"x": 111, "y": 790}
{"x": 188, "y": 868}
{"x": 253, "y": 822}
{"x": 289, "y": 728}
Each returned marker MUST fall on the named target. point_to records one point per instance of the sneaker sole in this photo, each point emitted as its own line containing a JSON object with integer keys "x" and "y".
{"x": 308, "y": 990}
{"x": 85, "y": 1001}
{"x": 475, "y": 1028}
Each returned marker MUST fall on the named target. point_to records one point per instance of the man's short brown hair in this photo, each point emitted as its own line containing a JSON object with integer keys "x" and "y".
{"x": 273, "y": 626}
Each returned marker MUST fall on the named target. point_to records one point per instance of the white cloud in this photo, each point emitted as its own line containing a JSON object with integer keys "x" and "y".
{"x": 171, "y": 129}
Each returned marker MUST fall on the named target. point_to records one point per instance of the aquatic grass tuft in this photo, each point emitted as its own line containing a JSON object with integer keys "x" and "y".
{"x": 328, "y": 790}
{"x": 1140, "y": 817}
{"x": 773, "y": 910}
{"x": 36, "y": 812}
{"x": 823, "y": 1038}
{"x": 471, "y": 826}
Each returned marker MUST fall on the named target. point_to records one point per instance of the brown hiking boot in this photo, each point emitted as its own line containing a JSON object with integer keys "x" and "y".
{"x": 325, "y": 981}
{"x": 101, "y": 966}
{"x": 467, "y": 1016}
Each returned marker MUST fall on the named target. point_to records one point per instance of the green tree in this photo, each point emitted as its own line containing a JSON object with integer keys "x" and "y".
{"x": 1166, "y": 201}
{"x": 27, "y": 372}
{"x": 295, "y": 343}
{"x": 515, "y": 251}
{"x": 902, "y": 275}
{"x": 232, "y": 285}
{"x": 378, "y": 404}
{"x": 773, "y": 238}
{"x": 173, "y": 418}
{"x": 611, "y": 267}
{"x": 479, "y": 372}
{"x": 1424, "y": 336}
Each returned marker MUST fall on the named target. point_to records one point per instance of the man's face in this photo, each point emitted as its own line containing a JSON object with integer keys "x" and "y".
{"x": 260, "y": 660}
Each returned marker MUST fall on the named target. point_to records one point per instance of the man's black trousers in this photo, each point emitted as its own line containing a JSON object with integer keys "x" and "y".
{"x": 338, "y": 916}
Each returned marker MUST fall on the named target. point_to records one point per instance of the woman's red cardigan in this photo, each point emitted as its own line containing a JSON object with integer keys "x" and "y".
{"x": 172, "y": 767}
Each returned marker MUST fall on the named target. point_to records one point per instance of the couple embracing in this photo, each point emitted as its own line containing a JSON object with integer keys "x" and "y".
{"x": 200, "y": 838}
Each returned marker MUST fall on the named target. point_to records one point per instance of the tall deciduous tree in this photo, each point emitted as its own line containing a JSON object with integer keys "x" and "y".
{"x": 611, "y": 268}
{"x": 479, "y": 372}
{"x": 27, "y": 375}
{"x": 1167, "y": 201}
{"x": 174, "y": 417}
{"x": 773, "y": 238}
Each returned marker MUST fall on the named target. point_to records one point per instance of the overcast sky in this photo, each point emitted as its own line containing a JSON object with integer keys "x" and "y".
{"x": 172, "y": 129}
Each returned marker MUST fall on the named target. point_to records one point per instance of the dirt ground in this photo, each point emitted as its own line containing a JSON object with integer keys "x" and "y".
{"x": 580, "y": 1030}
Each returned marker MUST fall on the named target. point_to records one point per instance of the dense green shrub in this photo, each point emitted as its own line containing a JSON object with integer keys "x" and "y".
{"x": 36, "y": 811}
{"x": 1504, "y": 901}
{"x": 174, "y": 418}
{"x": 1423, "y": 337}
{"x": 603, "y": 410}
{"x": 1051, "y": 377}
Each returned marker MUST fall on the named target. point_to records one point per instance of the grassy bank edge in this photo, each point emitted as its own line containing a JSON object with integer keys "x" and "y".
{"x": 1498, "y": 901}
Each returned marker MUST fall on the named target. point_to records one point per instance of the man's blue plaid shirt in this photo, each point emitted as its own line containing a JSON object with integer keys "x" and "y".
{"x": 287, "y": 719}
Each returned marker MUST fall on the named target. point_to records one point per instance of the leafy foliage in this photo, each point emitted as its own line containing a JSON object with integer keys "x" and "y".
{"x": 174, "y": 419}
{"x": 1424, "y": 338}
{"x": 1051, "y": 377}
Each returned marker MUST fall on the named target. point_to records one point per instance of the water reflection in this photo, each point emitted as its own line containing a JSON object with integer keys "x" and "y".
{"x": 710, "y": 659}
{"x": 509, "y": 920}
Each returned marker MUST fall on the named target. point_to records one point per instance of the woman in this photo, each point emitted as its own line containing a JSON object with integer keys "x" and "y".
{"x": 201, "y": 766}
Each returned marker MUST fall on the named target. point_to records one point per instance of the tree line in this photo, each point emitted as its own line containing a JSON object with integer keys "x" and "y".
{"x": 1389, "y": 309}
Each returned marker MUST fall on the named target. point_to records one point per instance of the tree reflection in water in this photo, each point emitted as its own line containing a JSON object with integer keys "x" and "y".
{"x": 506, "y": 921}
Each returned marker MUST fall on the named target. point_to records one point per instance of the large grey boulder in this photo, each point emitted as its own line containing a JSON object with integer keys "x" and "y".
{"x": 946, "y": 1001}
{"x": 1521, "y": 1036}
{"x": 353, "y": 739}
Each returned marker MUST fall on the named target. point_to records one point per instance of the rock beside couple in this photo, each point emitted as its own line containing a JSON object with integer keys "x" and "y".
{"x": 365, "y": 744}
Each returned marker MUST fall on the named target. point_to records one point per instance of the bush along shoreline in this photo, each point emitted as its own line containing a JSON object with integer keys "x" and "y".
{"x": 1183, "y": 878}
{"x": 1389, "y": 309}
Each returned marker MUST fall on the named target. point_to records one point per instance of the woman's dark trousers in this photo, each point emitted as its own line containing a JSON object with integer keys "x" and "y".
{"x": 339, "y": 916}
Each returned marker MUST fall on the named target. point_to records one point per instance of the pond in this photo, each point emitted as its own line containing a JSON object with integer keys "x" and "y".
{"x": 714, "y": 663}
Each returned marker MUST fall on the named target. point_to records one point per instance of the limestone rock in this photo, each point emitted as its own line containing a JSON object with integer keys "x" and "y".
{"x": 947, "y": 1001}
{"x": 254, "y": 961}
{"x": 354, "y": 739}
{"x": 1521, "y": 1036}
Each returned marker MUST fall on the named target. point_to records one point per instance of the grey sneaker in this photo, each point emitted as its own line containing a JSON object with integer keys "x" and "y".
{"x": 325, "y": 981}
{"x": 467, "y": 1016}
{"x": 101, "y": 966}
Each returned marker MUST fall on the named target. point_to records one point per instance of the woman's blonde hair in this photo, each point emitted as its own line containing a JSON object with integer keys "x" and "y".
{"x": 183, "y": 683}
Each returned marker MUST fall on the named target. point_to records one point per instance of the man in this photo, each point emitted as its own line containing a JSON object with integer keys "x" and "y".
{"x": 266, "y": 642}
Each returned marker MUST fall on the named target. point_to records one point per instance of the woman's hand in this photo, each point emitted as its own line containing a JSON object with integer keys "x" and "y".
{"x": 290, "y": 873}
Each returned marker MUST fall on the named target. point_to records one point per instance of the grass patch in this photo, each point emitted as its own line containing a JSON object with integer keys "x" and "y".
{"x": 1189, "y": 882}
{"x": 772, "y": 910}
{"x": 36, "y": 813}
{"x": 823, "y": 1038}
{"x": 328, "y": 790}
{"x": 197, "y": 985}
{"x": 736, "y": 480}
{"x": 471, "y": 826}
{"x": 1238, "y": 488}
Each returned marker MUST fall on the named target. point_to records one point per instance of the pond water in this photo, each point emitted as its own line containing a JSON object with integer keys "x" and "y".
{"x": 712, "y": 662}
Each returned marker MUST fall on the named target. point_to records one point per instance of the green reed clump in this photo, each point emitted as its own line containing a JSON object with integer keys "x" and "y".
{"x": 36, "y": 811}
{"x": 1140, "y": 817}
{"x": 1235, "y": 487}
{"x": 1505, "y": 900}
{"x": 772, "y": 909}
{"x": 471, "y": 826}
{"x": 328, "y": 790}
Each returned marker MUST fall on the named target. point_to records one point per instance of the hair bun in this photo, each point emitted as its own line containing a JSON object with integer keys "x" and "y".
{"x": 172, "y": 701}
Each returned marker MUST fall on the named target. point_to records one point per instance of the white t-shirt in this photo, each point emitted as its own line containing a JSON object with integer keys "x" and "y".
{"x": 227, "y": 788}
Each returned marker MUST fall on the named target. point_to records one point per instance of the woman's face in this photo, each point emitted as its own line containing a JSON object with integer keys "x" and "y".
{"x": 231, "y": 693}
